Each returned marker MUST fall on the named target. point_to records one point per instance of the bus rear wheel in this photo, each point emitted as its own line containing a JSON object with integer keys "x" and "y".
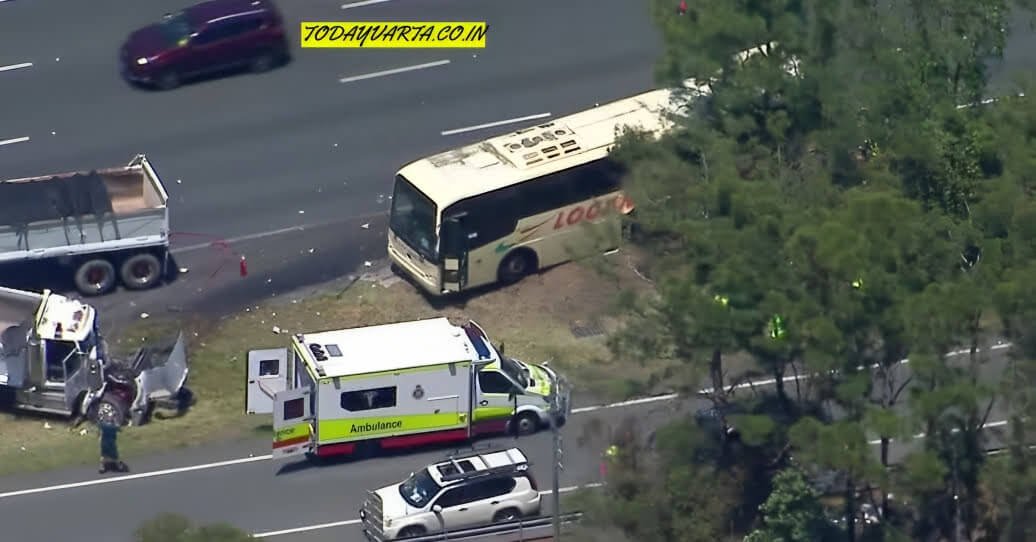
{"x": 516, "y": 265}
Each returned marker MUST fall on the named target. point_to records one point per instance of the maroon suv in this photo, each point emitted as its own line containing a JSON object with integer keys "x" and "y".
{"x": 204, "y": 39}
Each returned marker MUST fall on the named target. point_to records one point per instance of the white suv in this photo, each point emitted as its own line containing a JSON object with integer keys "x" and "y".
{"x": 462, "y": 492}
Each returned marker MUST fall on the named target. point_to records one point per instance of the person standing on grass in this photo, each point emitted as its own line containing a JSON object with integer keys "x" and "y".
{"x": 109, "y": 448}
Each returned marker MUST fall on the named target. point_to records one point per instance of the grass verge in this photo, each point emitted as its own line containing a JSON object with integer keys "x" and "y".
{"x": 533, "y": 319}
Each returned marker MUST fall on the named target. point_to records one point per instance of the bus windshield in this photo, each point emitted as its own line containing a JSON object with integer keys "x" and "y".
{"x": 413, "y": 218}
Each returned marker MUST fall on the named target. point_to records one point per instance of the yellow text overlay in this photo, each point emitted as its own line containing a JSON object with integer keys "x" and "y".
{"x": 399, "y": 35}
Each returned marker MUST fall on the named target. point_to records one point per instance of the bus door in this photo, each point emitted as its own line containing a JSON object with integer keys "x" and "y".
{"x": 454, "y": 247}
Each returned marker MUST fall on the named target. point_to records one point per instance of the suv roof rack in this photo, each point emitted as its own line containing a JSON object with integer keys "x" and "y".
{"x": 458, "y": 467}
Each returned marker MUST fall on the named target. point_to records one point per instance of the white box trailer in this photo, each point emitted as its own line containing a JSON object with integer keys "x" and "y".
{"x": 104, "y": 226}
{"x": 355, "y": 391}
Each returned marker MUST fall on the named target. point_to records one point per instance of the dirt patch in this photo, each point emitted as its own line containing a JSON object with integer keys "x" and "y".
{"x": 563, "y": 315}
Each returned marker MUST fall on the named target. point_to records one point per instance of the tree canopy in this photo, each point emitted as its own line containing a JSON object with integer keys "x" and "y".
{"x": 842, "y": 200}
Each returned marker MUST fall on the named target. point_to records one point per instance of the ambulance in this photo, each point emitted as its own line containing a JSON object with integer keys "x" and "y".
{"x": 361, "y": 390}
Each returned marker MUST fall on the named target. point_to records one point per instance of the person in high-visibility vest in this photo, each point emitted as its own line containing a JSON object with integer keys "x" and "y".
{"x": 776, "y": 327}
{"x": 611, "y": 457}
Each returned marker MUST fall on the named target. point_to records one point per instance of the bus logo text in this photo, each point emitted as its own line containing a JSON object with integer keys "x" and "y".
{"x": 578, "y": 214}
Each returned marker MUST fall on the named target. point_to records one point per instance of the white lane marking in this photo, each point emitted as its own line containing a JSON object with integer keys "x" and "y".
{"x": 394, "y": 71}
{"x": 987, "y": 425}
{"x": 232, "y": 462}
{"x": 319, "y": 526}
{"x": 750, "y": 383}
{"x": 15, "y": 66}
{"x": 271, "y": 233}
{"x": 631, "y": 402}
{"x": 494, "y": 124}
{"x": 13, "y": 141}
{"x": 351, "y": 5}
{"x": 128, "y": 477}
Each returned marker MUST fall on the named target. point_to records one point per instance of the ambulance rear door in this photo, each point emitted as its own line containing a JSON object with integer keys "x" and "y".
{"x": 268, "y": 374}
{"x": 292, "y": 422}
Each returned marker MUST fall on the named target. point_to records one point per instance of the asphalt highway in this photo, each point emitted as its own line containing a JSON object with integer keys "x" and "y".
{"x": 252, "y": 155}
{"x": 263, "y": 496}
{"x": 279, "y": 164}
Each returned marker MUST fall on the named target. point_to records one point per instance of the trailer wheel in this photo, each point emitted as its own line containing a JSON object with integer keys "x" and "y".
{"x": 95, "y": 277}
{"x": 140, "y": 271}
{"x": 110, "y": 409}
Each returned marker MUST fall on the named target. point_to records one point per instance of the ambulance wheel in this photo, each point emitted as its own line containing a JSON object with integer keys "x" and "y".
{"x": 516, "y": 265}
{"x": 526, "y": 424}
{"x": 140, "y": 271}
{"x": 95, "y": 277}
{"x": 412, "y": 532}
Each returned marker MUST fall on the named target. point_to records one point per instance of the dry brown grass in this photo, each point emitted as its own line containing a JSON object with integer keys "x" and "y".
{"x": 532, "y": 319}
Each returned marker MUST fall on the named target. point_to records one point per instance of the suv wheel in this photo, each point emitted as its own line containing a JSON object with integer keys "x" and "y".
{"x": 412, "y": 532}
{"x": 263, "y": 63}
{"x": 506, "y": 515}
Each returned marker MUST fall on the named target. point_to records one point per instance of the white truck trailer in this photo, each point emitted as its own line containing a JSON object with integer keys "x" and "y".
{"x": 53, "y": 359}
{"x": 105, "y": 227}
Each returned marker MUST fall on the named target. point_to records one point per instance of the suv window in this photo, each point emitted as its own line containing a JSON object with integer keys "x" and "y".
{"x": 476, "y": 491}
{"x": 227, "y": 29}
{"x": 452, "y": 497}
{"x": 487, "y": 489}
{"x": 494, "y": 382}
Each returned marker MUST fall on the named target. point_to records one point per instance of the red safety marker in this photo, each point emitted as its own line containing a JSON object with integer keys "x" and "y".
{"x": 244, "y": 266}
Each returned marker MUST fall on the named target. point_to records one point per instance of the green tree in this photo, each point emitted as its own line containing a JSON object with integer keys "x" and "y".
{"x": 792, "y": 513}
{"x": 176, "y": 528}
{"x": 833, "y": 181}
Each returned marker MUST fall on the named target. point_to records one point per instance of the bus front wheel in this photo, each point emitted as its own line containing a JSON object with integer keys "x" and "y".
{"x": 516, "y": 265}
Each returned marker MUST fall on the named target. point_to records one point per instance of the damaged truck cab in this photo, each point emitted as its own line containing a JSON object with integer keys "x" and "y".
{"x": 53, "y": 359}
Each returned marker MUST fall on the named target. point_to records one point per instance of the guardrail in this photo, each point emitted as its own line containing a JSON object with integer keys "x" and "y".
{"x": 525, "y": 530}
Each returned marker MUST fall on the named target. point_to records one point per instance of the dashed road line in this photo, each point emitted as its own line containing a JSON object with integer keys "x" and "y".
{"x": 495, "y": 124}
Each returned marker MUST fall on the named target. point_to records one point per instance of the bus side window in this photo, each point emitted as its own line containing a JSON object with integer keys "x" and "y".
{"x": 598, "y": 178}
{"x": 489, "y": 217}
{"x": 548, "y": 193}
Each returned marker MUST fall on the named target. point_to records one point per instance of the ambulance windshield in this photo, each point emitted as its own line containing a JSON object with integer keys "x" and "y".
{"x": 419, "y": 489}
{"x": 514, "y": 370}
